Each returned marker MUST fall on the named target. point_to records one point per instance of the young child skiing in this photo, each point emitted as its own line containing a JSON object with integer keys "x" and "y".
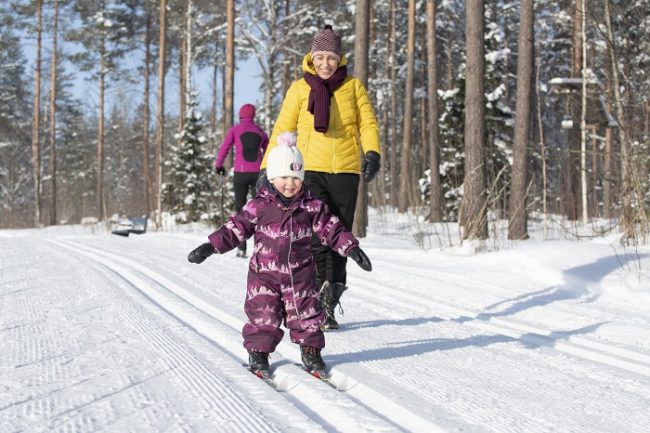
{"x": 281, "y": 283}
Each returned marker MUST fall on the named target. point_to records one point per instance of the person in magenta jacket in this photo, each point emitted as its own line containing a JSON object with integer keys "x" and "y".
{"x": 250, "y": 142}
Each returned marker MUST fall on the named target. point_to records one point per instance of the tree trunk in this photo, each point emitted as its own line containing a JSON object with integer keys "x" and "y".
{"x": 518, "y": 221}
{"x": 286, "y": 57}
{"x": 435, "y": 211}
{"x": 583, "y": 120}
{"x": 404, "y": 187}
{"x": 393, "y": 106}
{"x": 594, "y": 172}
{"x": 145, "y": 118}
{"x": 183, "y": 61}
{"x": 100, "y": 129}
{"x": 450, "y": 65}
{"x": 627, "y": 217}
{"x": 228, "y": 100}
{"x": 53, "y": 80}
{"x": 542, "y": 147}
{"x": 269, "y": 81}
{"x": 572, "y": 166}
{"x": 607, "y": 173}
{"x": 36, "y": 125}
{"x": 474, "y": 206}
{"x": 160, "y": 111}
{"x": 213, "y": 103}
{"x": 361, "y": 72}
{"x": 189, "y": 56}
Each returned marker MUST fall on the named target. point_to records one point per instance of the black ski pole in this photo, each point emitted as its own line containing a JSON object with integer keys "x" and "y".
{"x": 222, "y": 199}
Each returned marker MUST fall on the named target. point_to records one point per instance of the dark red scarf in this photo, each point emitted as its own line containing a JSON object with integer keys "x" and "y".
{"x": 320, "y": 94}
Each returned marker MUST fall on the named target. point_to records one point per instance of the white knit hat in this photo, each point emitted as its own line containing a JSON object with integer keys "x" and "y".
{"x": 285, "y": 159}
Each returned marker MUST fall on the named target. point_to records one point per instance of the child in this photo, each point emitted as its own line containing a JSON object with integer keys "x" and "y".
{"x": 281, "y": 282}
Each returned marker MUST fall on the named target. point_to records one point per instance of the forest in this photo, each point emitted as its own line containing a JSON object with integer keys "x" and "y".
{"x": 488, "y": 109}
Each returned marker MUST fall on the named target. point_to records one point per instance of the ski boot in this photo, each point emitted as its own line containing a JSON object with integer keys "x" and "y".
{"x": 241, "y": 253}
{"x": 312, "y": 360}
{"x": 258, "y": 363}
{"x": 330, "y": 296}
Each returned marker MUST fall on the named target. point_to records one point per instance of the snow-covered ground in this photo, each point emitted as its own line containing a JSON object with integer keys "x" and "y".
{"x": 113, "y": 334}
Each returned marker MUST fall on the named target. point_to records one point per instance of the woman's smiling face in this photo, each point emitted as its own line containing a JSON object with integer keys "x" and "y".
{"x": 325, "y": 64}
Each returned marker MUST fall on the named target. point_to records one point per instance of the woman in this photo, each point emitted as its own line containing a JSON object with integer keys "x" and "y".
{"x": 334, "y": 119}
{"x": 249, "y": 141}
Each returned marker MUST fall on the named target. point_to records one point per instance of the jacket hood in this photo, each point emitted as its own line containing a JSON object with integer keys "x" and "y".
{"x": 308, "y": 65}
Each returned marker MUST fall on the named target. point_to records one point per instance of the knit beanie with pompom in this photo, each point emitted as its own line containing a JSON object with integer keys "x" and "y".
{"x": 285, "y": 159}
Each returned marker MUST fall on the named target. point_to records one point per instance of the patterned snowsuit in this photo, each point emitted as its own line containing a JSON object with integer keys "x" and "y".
{"x": 281, "y": 282}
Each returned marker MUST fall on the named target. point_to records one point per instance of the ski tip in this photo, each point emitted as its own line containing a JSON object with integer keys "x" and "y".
{"x": 262, "y": 374}
{"x": 320, "y": 374}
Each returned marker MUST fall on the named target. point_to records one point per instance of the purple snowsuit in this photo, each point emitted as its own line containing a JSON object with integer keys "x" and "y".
{"x": 281, "y": 273}
{"x": 250, "y": 144}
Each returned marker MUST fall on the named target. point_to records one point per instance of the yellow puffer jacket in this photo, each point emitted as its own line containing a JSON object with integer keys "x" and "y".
{"x": 351, "y": 113}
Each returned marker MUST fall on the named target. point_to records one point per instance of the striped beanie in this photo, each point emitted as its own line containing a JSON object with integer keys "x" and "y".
{"x": 327, "y": 40}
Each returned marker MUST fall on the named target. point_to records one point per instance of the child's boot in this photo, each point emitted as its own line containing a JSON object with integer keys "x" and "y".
{"x": 258, "y": 362}
{"x": 311, "y": 358}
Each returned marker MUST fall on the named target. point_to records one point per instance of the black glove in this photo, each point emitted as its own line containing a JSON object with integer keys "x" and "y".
{"x": 201, "y": 253}
{"x": 221, "y": 171}
{"x": 261, "y": 180}
{"x": 361, "y": 258}
{"x": 370, "y": 165}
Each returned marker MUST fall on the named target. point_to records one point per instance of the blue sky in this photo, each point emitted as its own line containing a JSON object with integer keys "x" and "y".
{"x": 247, "y": 81}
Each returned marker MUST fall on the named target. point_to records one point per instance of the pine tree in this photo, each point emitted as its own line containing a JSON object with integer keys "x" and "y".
{"x": 189, "y": 192}
{"x": 16, "y": 181}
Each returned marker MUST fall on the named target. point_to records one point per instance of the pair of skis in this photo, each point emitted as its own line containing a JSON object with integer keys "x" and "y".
{"x": 282, "y": 384}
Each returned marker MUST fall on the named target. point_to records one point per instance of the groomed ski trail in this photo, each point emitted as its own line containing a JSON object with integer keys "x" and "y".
{"x": 355, "y": 407}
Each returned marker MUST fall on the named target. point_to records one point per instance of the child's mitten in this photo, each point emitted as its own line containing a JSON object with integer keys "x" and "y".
{"x": 361, "y": 258}
{"x": 201, "y": 253}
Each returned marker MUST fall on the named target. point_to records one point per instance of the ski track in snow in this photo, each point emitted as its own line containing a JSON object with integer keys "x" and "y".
{"x": 482, "y": 357}
{"x": 70, "y": 407}
{"x": 372, "y": 411}
{"x": 568, "y": 342}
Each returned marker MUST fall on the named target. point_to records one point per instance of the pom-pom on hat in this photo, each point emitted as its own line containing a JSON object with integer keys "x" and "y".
{"x": 285, "y": 159}
{"x": 327, "y": 41}
{"x": 247, "y": 111}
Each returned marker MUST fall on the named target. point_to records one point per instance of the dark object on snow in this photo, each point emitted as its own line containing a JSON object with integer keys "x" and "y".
{"x": 125, "y": 226}
{"x": 199, "y": 254}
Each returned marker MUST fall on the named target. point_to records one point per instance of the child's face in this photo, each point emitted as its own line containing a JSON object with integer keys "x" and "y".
{"x": 325, "y": 64}
{"x": 287, "y": 186}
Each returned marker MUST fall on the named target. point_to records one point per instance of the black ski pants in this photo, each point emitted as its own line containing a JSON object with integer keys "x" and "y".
{"x": 339, "y": 192}
{"x": 243, "y": 184}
